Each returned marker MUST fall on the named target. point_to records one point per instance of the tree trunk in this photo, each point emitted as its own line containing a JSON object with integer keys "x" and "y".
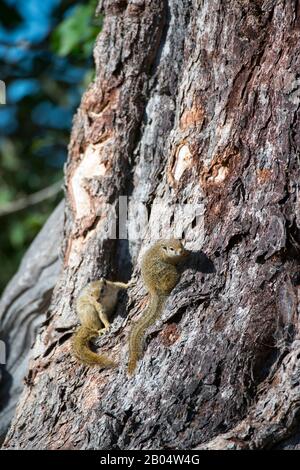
{"x": 23, "y": 308}
{"x": 194, "y": 102}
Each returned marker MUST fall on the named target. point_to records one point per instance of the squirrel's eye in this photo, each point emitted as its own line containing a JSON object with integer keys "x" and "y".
{"x": 172, "y": 249}
{"x": 164, "y": 247}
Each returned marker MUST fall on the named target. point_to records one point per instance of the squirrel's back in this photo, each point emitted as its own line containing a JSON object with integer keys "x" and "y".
{"x": 160, "y": 276}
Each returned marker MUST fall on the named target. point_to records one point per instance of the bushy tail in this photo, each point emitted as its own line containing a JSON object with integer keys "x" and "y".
{"x": 82, "y": 351}
{"x": 139, "y": 328}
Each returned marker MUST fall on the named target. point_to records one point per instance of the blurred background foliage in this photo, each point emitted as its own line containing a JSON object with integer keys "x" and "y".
{"x": 46, "y": 63}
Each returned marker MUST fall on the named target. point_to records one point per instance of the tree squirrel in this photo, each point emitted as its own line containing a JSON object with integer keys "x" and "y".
{"x": 94, "y": 307}
{"x": 160, "y": 276}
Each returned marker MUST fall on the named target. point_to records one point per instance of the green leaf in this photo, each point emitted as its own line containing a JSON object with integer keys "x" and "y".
{"x": 34, "y": 222}
{"x": 17, "y": 235}
{"x": 76, "y": 32}
{"x": 6, "y": 195}
{"x": 9, "y": 159}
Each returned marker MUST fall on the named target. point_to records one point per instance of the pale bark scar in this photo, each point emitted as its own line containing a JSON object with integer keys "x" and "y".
{"x": 90, "y": 166}
{"x": 182, "y": 161}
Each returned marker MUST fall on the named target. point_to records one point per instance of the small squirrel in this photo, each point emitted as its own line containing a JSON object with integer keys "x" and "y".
{"x": 160, "y": 276}
{"x": 94, "y": 306}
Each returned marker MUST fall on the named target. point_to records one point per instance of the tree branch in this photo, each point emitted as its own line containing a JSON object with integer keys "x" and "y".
{"x": 32, "y": 199}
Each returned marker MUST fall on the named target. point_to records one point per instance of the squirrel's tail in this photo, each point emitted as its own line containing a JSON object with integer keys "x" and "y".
{"x": 152, "y": 312}
{"x": 82, "y": 352}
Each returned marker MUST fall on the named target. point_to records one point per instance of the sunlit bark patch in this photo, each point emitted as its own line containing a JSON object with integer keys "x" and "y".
{"x": 91, "y": 166}
{"x": 182, "y": 162}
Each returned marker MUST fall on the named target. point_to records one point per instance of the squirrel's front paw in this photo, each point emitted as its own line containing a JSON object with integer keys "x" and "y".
{"x": 102, "y": 331}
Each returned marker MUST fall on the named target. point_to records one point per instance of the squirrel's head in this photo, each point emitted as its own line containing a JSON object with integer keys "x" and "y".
{"x": 172, "y": 250}
{"x": 103, "y": 286}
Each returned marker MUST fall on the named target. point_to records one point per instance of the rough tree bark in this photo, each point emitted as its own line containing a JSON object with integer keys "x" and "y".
{"x": 193, "y": 102}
